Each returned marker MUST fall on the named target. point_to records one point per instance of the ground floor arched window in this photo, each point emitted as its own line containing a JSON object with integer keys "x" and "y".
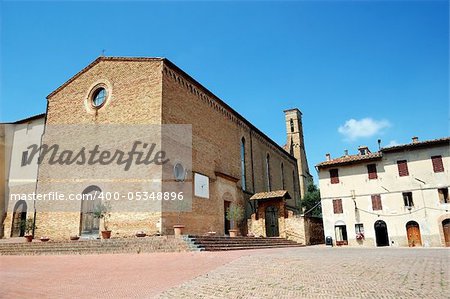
{"x": 446, "y": 230}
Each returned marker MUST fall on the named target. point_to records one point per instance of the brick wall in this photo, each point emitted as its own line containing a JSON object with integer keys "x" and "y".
{"x": 152, "y": 92}
{"x": 217, "y": 135}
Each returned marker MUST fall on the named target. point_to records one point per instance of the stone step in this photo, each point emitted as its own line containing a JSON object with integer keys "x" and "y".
{"x": 249, "y": 247}
{"x": 210, "y": 245}
{"x": 150, "y": 244}
{"x": 229, "y": 240}
{"x": 238, "y": 239}
{"x": 216, "y": 243}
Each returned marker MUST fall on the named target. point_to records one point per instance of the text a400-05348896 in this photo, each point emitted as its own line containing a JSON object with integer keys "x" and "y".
{"x": 140, "y": 195}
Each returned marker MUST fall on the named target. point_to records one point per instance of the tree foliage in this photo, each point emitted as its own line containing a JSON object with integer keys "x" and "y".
{"x": 311, "y": 202}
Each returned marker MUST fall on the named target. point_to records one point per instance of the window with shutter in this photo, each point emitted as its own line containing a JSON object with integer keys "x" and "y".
{"x": 408, "y": 199}
{"x": 337, "y": 206}
{"x": 443, "y": 195}
{"x": 372, "y": 170}
{"x": 402, "y": 168}
{"x": 24, "y": 158}
{"x": 438, "y": 166}
{"x": 334, "y": 176}
{"x": 376, "y": 202}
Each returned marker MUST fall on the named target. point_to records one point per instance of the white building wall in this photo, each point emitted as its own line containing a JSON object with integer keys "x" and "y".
{"x": 354, "y": 187}
{"x": 22, "y": 178}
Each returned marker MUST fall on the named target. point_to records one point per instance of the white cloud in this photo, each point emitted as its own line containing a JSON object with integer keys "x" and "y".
{"x": 392, "y": 143}
{"x": 363, "y": 128}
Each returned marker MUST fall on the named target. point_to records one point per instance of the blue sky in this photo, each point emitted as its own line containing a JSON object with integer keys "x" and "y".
{"x": 358, "y": 70}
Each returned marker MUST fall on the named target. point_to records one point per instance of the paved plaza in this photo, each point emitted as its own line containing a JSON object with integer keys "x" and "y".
{"x": 311, "y": 272}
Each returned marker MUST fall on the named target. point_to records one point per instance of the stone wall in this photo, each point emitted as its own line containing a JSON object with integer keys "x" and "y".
{"x": 314, "y": 230}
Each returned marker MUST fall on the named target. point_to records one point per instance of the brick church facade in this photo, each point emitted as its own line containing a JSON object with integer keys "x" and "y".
{"x": 233, "y": 159}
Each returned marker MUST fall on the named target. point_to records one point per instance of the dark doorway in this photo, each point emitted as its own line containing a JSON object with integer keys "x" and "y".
{"x": 413, "y": 233}
{"x": 226, "y": 206}
{"x": 272, "y": 222}
{"x": 446, "y": 228}
{"x": 381, "y": 233}
{"x": 89, "y": 225}
{"x": 341, "y": 235}
{"x": 19, "y": 215}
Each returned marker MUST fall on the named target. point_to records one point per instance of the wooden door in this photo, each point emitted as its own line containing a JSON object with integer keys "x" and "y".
{"x": 381, "y": 233}
{"x": 413, "y": 233}
{"x": 90, "y": 225}
{"x": 272, "y": 222}
{"x": 446, "y": 228}
{"x": 226, "y": 206}
{"x": 19, "y": 215}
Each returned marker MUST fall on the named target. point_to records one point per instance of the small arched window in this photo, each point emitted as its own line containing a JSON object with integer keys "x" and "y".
{"x": 291, "y": 121}
{"x": 243, "y": 177}
{"x": 268, "y": 172}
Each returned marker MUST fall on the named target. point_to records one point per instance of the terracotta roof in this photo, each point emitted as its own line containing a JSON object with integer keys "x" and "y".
{"x": 271, "y": 194}
{"x": 350, "y": 159}
{"x": 28, "y": 119}
{"x": 418, "y": 144}
{"x": 344, "y": 160}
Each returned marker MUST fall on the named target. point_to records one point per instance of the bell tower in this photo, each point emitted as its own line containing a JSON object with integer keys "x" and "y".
{"x": 296, "y": 146}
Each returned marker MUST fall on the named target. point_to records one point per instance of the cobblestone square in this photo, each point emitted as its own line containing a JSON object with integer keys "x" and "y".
{"x": 311, "y": 272}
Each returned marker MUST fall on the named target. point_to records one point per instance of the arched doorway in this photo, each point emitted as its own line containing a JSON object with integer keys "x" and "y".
{"x": 19, "y": 215}
{"x": 272, "y": 222}
{"x": 446, "y": 229}
{"x": 227, "y": 198}
{"x": 89, "y": 225}
{"x": 381, "y": 233}
{"x": 340, "y": 230}
{"x": 413, "y": 234}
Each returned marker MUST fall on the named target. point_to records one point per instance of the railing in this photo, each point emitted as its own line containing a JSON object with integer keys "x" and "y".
{"x": 297, "y": 236}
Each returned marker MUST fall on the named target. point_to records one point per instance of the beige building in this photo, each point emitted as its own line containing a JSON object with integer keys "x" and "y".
{"x": 230, "y": 159}
{"x": 397, "y": 196}
{"x": 18, "y": 176}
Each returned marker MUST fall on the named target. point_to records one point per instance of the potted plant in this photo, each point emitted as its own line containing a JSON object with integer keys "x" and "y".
{"x": 235, "y": 214}
{"x": 360, "y": 236}
{"x": 28, "y": 226}
{"x": 103, "y": 212}
{"x": 178, "y": 227}
{"x": 141, "y": 234}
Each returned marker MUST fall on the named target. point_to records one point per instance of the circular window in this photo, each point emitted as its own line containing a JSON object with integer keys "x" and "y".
{"x": 179, "y": 172}
{"x": 99, "y": 97}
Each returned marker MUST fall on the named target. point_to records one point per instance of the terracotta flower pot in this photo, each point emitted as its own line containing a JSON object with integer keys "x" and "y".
{"x": 74, "y": 238}
{"x": 106, "y": 234}
{"x": 44, "y": 239}
{"x": 29, "y": 238}
{"x": 141, "y": 234}
{"x": 233, "y": 232}
{"x": 178, "y": 229}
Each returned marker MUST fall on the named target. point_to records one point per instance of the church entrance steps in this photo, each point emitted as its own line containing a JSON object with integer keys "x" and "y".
{"x": 215, "y": 243}
{"x": 125, "y": 245}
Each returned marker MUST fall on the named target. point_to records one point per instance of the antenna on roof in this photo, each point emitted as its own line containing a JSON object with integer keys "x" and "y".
{"x": 103, "y": 52}
{"x": 379, "y": 144}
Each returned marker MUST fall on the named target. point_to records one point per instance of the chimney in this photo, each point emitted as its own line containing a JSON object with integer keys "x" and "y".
{"x": 328, "y": 157}
{"x": 363, "y": 150}
{"x": 346, "y": 153}
{"x": 415, "y": 139}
